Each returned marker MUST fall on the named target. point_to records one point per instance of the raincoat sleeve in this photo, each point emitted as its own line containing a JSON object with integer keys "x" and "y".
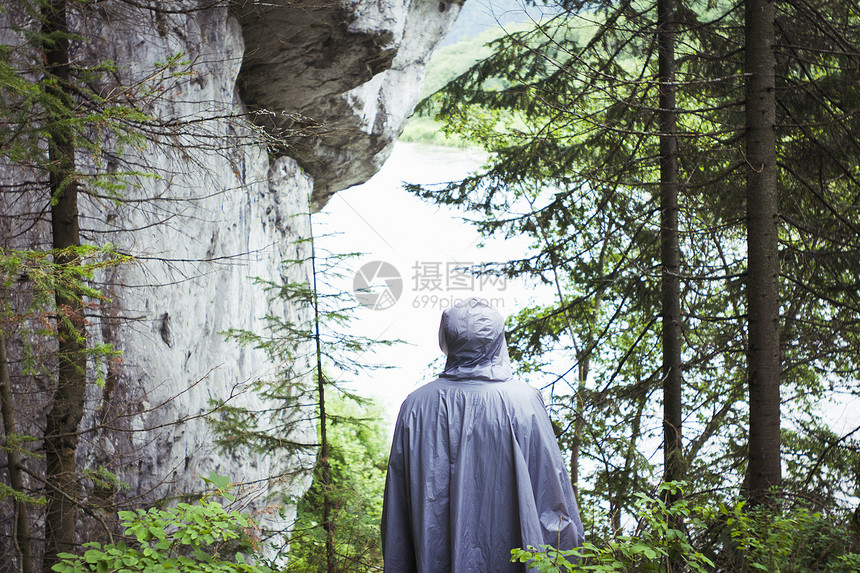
{"x": 549, "y": 515}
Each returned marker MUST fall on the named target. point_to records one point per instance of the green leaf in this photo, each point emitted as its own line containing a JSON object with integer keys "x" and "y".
{"x": 650, "y": 553}
{"x": 93, "y": 556}
{"x": 222, "y": 483}
{"x": 157, "y": 532}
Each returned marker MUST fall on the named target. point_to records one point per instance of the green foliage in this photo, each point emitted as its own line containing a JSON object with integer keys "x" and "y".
{"x": 67, "y": 123}
{"x": 446, "y": 64}
{"x": 36, "y": 105}
{"x": 773, "y": 539}
{"x": 359, "y": 454}
{"x": 47, "y": 276}
{"x": 450, "y": 61}
{"x": 49, "y": 280}
{"x": 789, "y": 540}
{"x": 7, "y": 492}
{"x": 203, "y": 537}
{"x": 104, "y": 479}
{"x": 656, "y": 539}
{"x": 341, "y": 511}
{"x": 286, "y": 342}
{"x": 423, "y": 129}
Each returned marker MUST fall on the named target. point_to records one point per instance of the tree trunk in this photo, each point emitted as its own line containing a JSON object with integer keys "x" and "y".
{"x": 763, "y": 471}
{"x": 325, "y": 453}
{"x": 61, "y": 438}
{"x": 584, "y": 359}
{"x": 670, "y": 264}
{"x": 669, "y": 249}
{"x": 13, "y": 459}
{"x": 579, "y": 421}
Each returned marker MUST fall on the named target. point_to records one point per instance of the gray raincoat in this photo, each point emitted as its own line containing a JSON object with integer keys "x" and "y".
{"x": 475, "y": 468}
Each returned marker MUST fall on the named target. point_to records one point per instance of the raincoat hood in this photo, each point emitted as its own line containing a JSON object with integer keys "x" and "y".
{"x": 472, "y": 335}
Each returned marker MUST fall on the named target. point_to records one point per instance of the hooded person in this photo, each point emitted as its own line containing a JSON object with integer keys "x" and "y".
{"x": 475, "y": 469}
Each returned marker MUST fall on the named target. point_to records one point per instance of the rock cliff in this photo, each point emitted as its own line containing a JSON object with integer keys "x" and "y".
{"x": 265, "y": 109}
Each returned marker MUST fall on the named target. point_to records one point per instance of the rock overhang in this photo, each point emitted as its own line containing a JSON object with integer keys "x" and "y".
{"x": 335, "y": 81}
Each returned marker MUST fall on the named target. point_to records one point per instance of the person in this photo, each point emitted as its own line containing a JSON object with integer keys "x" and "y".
{"x": 475, "y": 469}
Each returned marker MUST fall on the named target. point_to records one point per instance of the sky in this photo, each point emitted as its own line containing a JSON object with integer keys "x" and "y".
{"x": 427, "y": 246}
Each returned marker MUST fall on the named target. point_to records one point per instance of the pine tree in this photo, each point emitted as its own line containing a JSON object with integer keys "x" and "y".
{"x": 571, "y": 111}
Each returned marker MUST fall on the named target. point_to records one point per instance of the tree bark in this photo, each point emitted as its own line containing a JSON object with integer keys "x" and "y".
{"x": 578, "y": 422}
{"x": 670, "y": 255}
{"x": 670, "y": 264}
{"x": 13, "y": 459}
{"x": 763, "y": 470}
{"x": 325, "y": 450}
{"x": 61, "y": 437}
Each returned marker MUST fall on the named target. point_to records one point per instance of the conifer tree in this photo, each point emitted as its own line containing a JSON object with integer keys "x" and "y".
{"x": 764, "y": 469}
{"x": 571, "y": 112}
{"x": 67, "y": 409}
{"x": 312, "y": 354}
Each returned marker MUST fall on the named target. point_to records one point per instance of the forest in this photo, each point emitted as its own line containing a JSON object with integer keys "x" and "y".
{"x": 685, "y": 177}
{"x": 686, "y": 174}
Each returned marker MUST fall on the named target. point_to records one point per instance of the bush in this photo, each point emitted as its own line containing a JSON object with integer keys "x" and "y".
{"x": 655, "y": 541}
{"x": 199, "y": 537}
{"x": 721, "y": 537}
{"x": 788, "y": 539}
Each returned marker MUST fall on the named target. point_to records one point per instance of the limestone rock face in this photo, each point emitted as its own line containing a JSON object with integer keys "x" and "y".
{"x": 338, "y": 78}
{"x": 222, "y": 201}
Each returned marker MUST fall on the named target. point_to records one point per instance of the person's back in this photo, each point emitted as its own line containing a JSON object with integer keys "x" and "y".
{"x": 474, "y": 469}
